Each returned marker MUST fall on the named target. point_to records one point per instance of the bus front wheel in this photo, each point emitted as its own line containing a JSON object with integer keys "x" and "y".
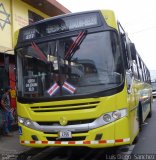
{"x": 140, "y": 118}
{"x": 150, "y": 113}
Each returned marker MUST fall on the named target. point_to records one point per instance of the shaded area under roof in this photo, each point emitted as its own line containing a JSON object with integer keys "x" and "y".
{"x": 49, "y": 7}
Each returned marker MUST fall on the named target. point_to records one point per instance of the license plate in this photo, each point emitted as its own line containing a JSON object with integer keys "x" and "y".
{"x": 65, "y": 134}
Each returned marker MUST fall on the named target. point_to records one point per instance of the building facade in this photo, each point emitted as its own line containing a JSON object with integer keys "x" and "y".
{"x": 15, "y": 14}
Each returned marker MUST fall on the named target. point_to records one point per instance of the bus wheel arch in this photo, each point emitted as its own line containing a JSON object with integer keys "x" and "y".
{"x": 140, "y": 121}
{"x": 135, "y": 139}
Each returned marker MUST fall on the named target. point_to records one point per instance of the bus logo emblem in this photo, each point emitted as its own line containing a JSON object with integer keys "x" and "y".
{"x": 63, "y": 121}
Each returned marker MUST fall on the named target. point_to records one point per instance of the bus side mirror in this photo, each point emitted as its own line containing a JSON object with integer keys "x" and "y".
{"x": 133, "y": 51}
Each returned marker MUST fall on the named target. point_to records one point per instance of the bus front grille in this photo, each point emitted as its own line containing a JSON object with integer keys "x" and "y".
{"x": 76, "y": 122}
{"x": 65, "y": 107}
{"x": 81, "y": 138}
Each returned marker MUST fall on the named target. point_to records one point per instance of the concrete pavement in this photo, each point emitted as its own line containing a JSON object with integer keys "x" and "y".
{"x": 10, "y": 147}
{"x": 147, "y": 138}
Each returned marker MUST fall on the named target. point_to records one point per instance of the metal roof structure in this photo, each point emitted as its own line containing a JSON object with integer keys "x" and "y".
{"x": 49, "y": 7}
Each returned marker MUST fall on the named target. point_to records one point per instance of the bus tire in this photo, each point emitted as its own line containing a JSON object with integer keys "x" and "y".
{"x": 135, "y": 140}
{"x": 140, "y": 117}
{"x": 150, "y": 113}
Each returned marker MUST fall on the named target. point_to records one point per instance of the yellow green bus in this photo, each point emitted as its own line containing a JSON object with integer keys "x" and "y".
{"x": 80, "y": 82}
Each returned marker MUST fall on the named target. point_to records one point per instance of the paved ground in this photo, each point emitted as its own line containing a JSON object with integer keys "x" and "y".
{"x": 147, "y": 138}
{"x": 10, "y": 145}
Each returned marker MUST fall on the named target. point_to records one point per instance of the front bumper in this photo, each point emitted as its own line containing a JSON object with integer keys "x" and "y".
{"x": 113, "y": 134}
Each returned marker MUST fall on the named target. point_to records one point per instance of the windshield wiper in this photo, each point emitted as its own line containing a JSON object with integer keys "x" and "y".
{"x": 75, "y": 44}
{"x": 39, "y": 52}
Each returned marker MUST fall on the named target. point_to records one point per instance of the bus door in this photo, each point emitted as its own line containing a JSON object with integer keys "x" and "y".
{"x": 131, "y": 86}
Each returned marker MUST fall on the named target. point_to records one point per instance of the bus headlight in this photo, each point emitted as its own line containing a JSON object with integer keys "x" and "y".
{"x": 113, "y": 116}
{"x": 119, "y": 113}
{"x": 20, "y": 120}
{"x": 26, "y": 122}
{"x": 107, "y": 118}
{"x": 116, "y": 114}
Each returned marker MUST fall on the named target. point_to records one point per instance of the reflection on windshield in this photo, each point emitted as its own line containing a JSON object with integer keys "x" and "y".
{"x": 74, "y": 45}
{"x": 84, "y": 64}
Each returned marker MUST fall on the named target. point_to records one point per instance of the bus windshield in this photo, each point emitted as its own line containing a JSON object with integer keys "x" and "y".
{"x": 73, "y": 65}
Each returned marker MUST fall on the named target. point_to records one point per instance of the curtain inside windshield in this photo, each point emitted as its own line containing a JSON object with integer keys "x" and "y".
{"x": 79, "y": 65}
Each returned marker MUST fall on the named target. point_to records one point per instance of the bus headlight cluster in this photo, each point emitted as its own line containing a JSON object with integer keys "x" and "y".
{"x": 107, "y": 118}
{"x": 112, "y": 116}
{"x": 116, "y": 114}
{"x": 25, "y": 122}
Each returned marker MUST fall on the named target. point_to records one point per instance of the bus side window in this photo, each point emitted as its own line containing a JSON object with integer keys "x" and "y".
{"x": 135, "y": 70}
{"x": 139, "y": 68}
{"x": 125, "y": 51}
{"x": 124, "y": 46}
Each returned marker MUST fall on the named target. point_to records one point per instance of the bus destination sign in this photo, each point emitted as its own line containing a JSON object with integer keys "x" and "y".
{"x": 52, "y": 26}
{"x": 73, "y": 22}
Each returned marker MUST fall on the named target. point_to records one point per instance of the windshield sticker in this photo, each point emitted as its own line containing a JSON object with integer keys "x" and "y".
{"x": 53, "y": 89}
{"x": 68, "y": 87}
{"x": 31, "y": 85}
